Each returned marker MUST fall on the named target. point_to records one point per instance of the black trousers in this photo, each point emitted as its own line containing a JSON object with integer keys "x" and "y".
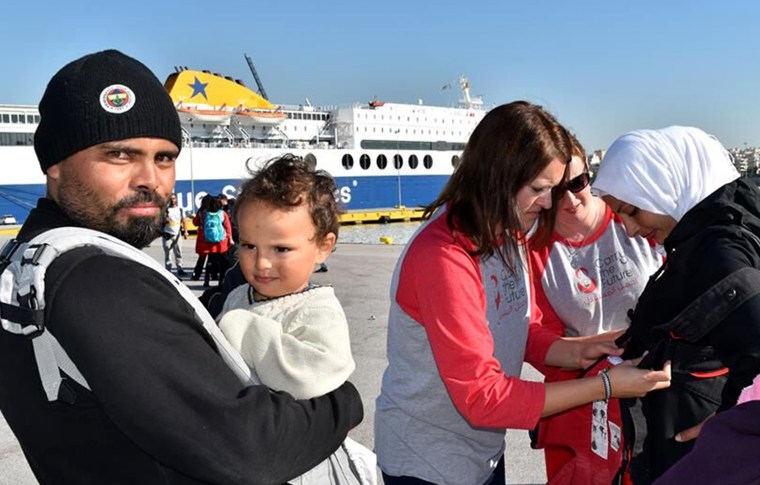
{"x": 497, "y": 478}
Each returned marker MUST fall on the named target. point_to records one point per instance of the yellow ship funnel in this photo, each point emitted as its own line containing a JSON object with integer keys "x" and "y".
{"x": 202, "y": 89}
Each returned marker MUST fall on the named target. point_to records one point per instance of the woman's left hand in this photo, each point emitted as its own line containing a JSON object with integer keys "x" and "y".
{"x": 591, "y": 351}
{"x": 582, "y": 352}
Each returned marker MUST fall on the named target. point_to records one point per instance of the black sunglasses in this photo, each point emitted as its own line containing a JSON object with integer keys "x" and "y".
{"x": 575, "y": 184}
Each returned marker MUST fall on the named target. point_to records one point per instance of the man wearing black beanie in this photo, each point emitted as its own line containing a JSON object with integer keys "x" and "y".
{"x": 162, "y": 406}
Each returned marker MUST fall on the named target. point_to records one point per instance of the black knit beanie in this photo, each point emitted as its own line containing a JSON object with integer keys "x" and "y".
{"x": 102, "y": 97}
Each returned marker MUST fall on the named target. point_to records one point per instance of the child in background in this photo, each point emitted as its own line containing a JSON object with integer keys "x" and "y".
{"x": 292, "y": 334}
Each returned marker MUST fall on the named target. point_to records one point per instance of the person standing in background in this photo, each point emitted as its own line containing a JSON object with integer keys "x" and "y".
{"x": 216, "y": 238}
{"x": 200, "y": 243}
{"x": 174, "y": 229}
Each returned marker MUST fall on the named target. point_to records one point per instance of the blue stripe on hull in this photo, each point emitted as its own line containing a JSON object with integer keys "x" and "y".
{"x": 18, "y": 200}
{"x": 354, "y": 193}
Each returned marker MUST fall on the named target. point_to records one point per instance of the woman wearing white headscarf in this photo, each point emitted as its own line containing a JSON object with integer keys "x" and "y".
{"x": 701, "y": 310}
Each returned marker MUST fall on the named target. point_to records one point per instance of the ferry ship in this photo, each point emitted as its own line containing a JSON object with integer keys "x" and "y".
{"x": 381, "y": 154}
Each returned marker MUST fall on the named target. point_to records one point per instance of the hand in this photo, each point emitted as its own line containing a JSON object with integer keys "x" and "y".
{"x": 590, "y": 350}
{"x": 581, "y": 352}
{"x": 692, "y": 433}
{"x": 627, "y": 380}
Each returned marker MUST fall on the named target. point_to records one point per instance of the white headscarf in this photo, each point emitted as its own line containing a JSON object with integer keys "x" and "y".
{"x": 665, "y": 171}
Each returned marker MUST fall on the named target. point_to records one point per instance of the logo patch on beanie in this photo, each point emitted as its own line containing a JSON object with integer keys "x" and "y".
{"x": 117, "y": 98}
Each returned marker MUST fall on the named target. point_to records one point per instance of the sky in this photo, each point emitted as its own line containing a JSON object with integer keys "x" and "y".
{"x": 601, "y": 67}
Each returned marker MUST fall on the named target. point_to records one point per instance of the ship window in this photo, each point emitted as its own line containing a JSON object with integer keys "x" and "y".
{"x": 398, "y": 161}
{"x": 16, "y": 139}
{"x": 382, "y": 162}
{"x": 413, "y": 162}
{"x": 30, "y": 118}
{"x": 364, "y": 161}
{"x": 455, "y": 161}
{"x": 14, "y": 118}
{"x": 357, "y": 129}
{"x": 6, "y": 118}
{"x": 427, "y": 161}
{"x": 348, "y": 161}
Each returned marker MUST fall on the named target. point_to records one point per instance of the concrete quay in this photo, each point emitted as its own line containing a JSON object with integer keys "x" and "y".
{"x": 361, "y": 275}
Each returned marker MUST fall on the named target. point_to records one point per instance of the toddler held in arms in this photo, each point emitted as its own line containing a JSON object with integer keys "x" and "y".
{"x": 293, "y": 335}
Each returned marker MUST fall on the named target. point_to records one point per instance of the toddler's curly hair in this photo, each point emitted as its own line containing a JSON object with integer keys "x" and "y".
{"x": 287, "y": 182}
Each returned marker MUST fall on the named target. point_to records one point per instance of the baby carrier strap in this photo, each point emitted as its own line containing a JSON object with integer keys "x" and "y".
{"x": 717, "y": 302}
{"x": 714, "y": 305}
{"x": 22, "y": 301}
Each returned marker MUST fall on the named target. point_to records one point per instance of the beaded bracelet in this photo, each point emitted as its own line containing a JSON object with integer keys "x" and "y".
{"x": 607, "y": 385}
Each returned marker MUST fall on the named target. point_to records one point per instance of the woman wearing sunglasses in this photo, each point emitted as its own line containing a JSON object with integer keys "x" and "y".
{"x": 586, "y": 279}
{"x": 458, "y": 324}
{"x": 679, "y": 186}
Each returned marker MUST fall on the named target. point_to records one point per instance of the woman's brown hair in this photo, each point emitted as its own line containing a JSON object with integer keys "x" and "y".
{"x": 509, "y": 148}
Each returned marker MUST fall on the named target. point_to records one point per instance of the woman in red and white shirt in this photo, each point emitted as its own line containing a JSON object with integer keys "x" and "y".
{"x": 586, "y": 279}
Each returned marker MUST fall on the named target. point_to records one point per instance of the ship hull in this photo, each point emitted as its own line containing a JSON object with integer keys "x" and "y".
{"x": 202, "y": 171}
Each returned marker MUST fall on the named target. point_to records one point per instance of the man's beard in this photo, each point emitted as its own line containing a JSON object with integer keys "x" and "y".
{"x": 77, "y": 202}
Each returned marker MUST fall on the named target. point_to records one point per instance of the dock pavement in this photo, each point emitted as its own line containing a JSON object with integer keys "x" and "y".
{"x": 361, "y": 275}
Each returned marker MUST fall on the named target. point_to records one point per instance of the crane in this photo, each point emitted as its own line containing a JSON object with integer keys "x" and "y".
{"x": 262, "y": 92}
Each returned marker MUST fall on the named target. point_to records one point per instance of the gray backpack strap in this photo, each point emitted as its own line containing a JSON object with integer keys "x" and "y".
{"x": 22, "y": 290}
{"x": 51, "y": 357}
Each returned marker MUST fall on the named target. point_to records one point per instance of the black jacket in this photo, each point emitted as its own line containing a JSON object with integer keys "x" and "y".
{"x": 164, "y": 408}
{"x": 705, "y": 250}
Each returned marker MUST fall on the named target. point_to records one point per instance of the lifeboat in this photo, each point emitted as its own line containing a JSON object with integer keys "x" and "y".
{"x": 211, "y": 116}
{"x": 206, "y": 98}
{"x": 249, "y": 117}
